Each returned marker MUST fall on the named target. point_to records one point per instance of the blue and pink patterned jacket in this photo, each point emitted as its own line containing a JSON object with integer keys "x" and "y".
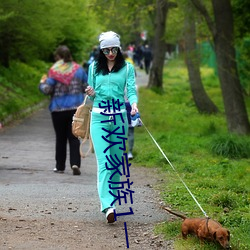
{"x": 65, "y": 84}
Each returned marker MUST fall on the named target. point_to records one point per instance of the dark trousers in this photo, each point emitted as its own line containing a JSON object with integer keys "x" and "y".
{"x": 147, "y": 65}
{"x": 130, "y": 139}
{"x": 130, "y": 129}
{"x": 62, "y": 122}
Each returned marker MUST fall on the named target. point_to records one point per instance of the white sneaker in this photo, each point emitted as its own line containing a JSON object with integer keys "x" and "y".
{"x": 130, "y": 156}
{"x": 110, "y": 215}
{"x": 58, "y": 171}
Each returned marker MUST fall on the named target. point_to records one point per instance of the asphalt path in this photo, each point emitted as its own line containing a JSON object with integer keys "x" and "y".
{"x": 29, "y": 188}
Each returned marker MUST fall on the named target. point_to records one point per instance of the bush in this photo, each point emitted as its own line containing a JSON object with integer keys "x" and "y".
{"x": 223, "y": 200}
{"x": 231, "y": 146}
{"x": 19, "y": 88}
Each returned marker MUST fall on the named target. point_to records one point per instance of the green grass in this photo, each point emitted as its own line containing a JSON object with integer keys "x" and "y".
{"x": 19, "y": 88}
{"x": 214, "y": 164}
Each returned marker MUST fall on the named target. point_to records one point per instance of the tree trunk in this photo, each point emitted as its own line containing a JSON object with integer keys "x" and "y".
{"x": 223, "y": 38}
{"x": 235, "y": 109}
{"x": 159, "y": 47}
{"x": 201, "y": 99}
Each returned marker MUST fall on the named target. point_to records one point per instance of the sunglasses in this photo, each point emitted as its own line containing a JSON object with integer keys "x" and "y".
{"x": 106, "y": 51}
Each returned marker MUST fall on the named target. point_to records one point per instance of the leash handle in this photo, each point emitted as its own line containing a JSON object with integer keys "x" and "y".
{"x": 174, "y": 170}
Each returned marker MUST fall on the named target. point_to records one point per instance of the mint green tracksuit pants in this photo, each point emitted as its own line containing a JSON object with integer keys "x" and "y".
{"x": 100, "y": 145}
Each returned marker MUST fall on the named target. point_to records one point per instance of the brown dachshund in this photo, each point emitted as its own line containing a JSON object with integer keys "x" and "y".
{"x": 204, "y": 229}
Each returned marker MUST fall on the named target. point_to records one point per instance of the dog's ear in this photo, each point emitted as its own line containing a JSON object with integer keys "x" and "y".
{"x": 228, "y": 237}
{"x": 214, "y": 235}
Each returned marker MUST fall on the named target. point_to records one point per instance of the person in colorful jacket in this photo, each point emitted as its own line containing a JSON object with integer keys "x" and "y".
{"x": 108, "y": 77}
{"x": 65, "y": 83}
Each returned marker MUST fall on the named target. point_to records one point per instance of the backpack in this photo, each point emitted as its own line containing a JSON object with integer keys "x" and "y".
{"x": 81, "y": 126}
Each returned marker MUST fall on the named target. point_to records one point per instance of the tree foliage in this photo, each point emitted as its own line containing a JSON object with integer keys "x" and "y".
{"x": 241, "y": 18}
{"x": 242, "y": 35}
{"x": 28, "y": 33}
{"x": 175, "y": 25}
{"x": 126, "y": 17}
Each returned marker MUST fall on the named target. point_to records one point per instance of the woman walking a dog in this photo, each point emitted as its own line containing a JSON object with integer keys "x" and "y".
{"x": 108, "y": 77}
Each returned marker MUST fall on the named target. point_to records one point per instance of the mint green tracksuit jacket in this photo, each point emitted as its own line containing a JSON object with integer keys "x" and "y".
{"x": 107, "y": 88}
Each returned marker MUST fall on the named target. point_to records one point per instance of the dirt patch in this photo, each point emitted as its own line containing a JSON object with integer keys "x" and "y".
{"x": 50, "y": 234}
{"x": 34, "y": 222}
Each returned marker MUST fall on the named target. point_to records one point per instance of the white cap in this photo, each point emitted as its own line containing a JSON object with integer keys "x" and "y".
{"x": 109, "y": 39}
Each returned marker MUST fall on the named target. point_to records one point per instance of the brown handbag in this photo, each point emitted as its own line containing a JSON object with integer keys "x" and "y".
{"x": 81, "y": 126}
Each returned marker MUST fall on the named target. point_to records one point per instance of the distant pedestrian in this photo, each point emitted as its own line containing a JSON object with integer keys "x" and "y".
{"x": 138, "y": 56}
{"x": 147, "y": 54}
{"x": 93, "y": 55}
{"x": 65, "y": 84}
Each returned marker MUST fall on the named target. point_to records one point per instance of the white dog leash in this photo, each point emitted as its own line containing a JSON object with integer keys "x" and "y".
{"x": 174, "y": 170}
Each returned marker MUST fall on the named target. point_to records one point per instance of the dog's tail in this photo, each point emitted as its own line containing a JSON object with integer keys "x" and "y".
{"x": 175, "y": 213}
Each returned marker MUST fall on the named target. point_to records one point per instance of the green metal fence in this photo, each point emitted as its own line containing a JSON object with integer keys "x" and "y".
{"x": 208, "y": 58}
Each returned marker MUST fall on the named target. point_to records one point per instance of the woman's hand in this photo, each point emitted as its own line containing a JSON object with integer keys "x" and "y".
{"x": 134, "y": 109}
{"x": 90, "y": 91}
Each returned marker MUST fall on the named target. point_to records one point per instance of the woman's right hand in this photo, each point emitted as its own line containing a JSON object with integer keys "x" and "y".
{"x": 90, "y": 91}
{"x": 134, "y": 109}
{"x": 43, "y": 79}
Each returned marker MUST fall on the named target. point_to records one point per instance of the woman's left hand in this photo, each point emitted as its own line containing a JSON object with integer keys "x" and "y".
{"x": 90, "y": 91}
{"x": 134, "y": 109}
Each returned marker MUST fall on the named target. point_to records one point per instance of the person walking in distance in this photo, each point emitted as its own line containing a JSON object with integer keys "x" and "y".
{"x": 108, "y": 78}
{"x": 147, "y": 54}
{"x": 65, "y": 83}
